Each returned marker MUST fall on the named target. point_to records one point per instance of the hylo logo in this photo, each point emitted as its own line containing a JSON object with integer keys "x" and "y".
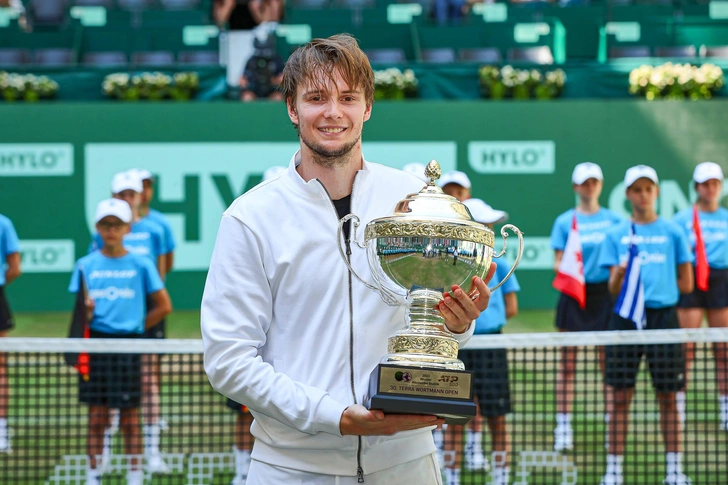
{"x": 512, "y": 157}
{"x": 36, "y": 160}
{"x": 47, "y": 256}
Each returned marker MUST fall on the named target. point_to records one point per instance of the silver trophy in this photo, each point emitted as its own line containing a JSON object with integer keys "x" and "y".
{"x": 428, "y": 244}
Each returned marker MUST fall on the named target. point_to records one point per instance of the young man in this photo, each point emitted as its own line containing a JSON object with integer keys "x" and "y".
{"x": 490, "y": 378}
{"x": 457, "y": 184}
{"x": 9, "y": 272}
{"x": 663, "y": 263}
{"x": 593, "y": 222}
{"x": 710, "y": 298}
{"x": 287, "y": 329}
{"x": 145, "y": 239}
{"x": 117, "y": 283}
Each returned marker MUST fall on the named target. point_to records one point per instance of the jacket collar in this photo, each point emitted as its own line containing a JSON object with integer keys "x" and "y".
{"x": 313, "y": 189}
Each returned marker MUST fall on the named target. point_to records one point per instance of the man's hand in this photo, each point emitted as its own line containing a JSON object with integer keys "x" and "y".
{"x": 358, "y": 420}
{"x": 90, "y": 307}
{"x": 459, "y": 308}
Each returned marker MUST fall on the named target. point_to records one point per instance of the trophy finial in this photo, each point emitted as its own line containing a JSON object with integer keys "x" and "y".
{"x": 433, "y": 172}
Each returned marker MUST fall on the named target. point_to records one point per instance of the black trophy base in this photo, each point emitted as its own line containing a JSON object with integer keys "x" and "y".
{"x": 396, "y": 389}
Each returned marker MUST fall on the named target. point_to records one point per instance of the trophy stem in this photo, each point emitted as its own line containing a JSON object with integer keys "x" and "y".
{"x": 421, "y": 313}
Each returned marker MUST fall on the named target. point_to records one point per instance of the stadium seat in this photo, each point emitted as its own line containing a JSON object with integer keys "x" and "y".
{"x": 134, "y": 4}
{"x": 180, "y": 4}
{"x": 485, "y": 54}
{"x": 105, "y": 59}
{"x": 13, "y": 57}
{"x": 535, "y": 55}
{"x": 386, "y": 55}
{"x": 198, "y": 58}
{"x": 720, "y": 51}
{"x": 93, "y": 3}
{"x": 676, "y": 51}
{"x": 440, "y": 55}
{"x": 153, "y": 58}
{"x": 629, "y": 51}
{"x": 53, "y": 57}
{"x": 47, "y": 13}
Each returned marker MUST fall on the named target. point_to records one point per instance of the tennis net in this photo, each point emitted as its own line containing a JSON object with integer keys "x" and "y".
{"x": 527, "y": 426}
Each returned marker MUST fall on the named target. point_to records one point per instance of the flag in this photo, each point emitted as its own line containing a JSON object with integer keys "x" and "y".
{"x": 570, "y": 276}
{"x": 702, "y": 270}
{"x": 79, "y": 329}
{"x": 631, "y": 299}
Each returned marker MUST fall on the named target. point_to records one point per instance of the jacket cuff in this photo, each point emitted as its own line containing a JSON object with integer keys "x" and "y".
{"x": 328, "y": 416}
{"x": 463, "y": 338}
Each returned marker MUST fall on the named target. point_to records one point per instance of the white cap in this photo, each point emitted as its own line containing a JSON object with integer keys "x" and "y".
{"x": 484, "y": 213}
{"x": 142, "y": 173}
{"x": 113, "y": 207}
{"x": 416, "y": 169}
{"x": 585, "y": 171}
{"x": 455, "y": 177}
{"x": 126, "y": 181}
{"x": 273, "y": 172}
{"x": 639, "y": 172}
{"x": 706, "y": 171}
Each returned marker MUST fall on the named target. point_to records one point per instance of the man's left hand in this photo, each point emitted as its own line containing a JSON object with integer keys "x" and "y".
{"x": 460, "y": 308}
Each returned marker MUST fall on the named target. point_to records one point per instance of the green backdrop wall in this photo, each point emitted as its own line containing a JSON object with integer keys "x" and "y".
{"x": 56, "y": 161}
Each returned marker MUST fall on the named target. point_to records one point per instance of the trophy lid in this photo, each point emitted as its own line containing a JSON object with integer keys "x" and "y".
{"x": 431, "y": 213}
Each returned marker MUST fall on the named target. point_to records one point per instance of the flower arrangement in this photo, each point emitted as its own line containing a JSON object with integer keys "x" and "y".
{"x": 676, "y": 81}
{"x": 395, "y": 84}
{"x": 26, "y": 87}
{"x": 508, "y": 82}
{"x": 152, "y": 86}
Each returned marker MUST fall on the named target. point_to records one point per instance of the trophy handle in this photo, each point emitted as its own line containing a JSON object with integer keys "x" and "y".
{"x": 388, "y": 297}
{"x": 518, "y": 233}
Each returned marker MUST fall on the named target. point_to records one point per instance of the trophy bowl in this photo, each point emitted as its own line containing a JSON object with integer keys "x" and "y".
{"x": 428, "y": 244}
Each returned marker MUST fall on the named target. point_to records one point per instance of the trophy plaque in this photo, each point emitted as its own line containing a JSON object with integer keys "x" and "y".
{"x": 428, "y": 244}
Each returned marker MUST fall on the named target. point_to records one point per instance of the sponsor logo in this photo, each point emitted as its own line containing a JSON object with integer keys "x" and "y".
{"x": 537, "y": 253}
{"x": 112, "y": 274}
{"x": 36, "y": 160}
{"x": 513, "y": 157}
{"x": 47, "y": 256}
{"x": 196, "y": 182}
{"x": 112, "y": 293}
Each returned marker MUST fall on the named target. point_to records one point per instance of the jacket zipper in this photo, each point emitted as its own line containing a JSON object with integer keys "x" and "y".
{"x": 359, "y": 468}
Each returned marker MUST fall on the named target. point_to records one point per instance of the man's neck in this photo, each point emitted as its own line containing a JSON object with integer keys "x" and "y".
{"x": 645, "y": 217}
{"x": 143, "y": 211}
{"x": 708, "y": 206}
{"x": 588, "y": 206}
{"x": 114, "y": 251}
{"x": 337, "y": 178}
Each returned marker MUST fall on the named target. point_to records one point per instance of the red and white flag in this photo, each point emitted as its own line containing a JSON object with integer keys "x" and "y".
{"x": 570, "y": 277}
{"x": 702, "y": 270}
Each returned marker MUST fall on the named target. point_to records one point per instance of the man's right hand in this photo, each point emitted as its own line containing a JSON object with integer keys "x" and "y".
{"x": 358, "y": 420}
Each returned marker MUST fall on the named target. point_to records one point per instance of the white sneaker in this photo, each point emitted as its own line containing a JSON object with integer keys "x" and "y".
{"x": 500, "y": 476}
{"x": 677, "y": 479}
{"x": 92, "y": 477}
{"x": 238, "y": 480}
{"x": 5, "y": 443}
{"x": 452, "y": 476}
{"x": 475, "y": 460}
{"x": 563, "y": 439}
{"x": 612, "y": 479}
{"x": 155, "y": 464}
{"x": 724, "y": 422}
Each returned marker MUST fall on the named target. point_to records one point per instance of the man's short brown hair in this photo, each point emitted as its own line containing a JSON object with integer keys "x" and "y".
{"x": 320, "y": 59}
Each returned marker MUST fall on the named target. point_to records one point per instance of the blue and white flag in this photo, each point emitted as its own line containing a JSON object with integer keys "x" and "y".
{"x": 631, "y": 300}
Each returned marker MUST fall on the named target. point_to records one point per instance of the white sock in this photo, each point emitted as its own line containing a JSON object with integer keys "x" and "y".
{"x": 502, "y": 472}
{"x": 135, "y": 477}
{"x": 563, "y": 420}
{"x": 498, "y": 458}
{"x": 723, "y": 400}
{"x": 681, "y": 399}
{"x": 242, "y": 462}
{"x": 614, "y": 464}
{"x": 3, "y": 426}
{"x": 92, "y": 474}
{"x": 151, "y": 439}
{"x": 439, "y": 438}
{"x": 474, "y": 439}
{"x": 674, "y": 463}
{"x": 452, "y": 476}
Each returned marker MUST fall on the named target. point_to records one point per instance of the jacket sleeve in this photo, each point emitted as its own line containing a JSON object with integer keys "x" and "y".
{"x": 235, "y": 318}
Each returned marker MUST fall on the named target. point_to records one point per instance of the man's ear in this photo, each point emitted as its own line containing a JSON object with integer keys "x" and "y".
{"x": 368, "y": 113}
{"x": 292, "y": 113}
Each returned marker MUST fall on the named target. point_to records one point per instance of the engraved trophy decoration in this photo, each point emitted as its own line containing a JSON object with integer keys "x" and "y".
{"x": 428, "y": 244}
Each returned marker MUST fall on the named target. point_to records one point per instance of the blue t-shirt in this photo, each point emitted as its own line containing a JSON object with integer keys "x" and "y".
{"x": 714, "y": 226}
{"x": 8, "y": 244}
{"x": 493, "y": 318}
{"x": 119, "y": 288}
{"x": 161, "y": 219}
{"x": 592, "y": 231}
{"x": 145, "y": 239}
{"x": 662, "y": 247}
